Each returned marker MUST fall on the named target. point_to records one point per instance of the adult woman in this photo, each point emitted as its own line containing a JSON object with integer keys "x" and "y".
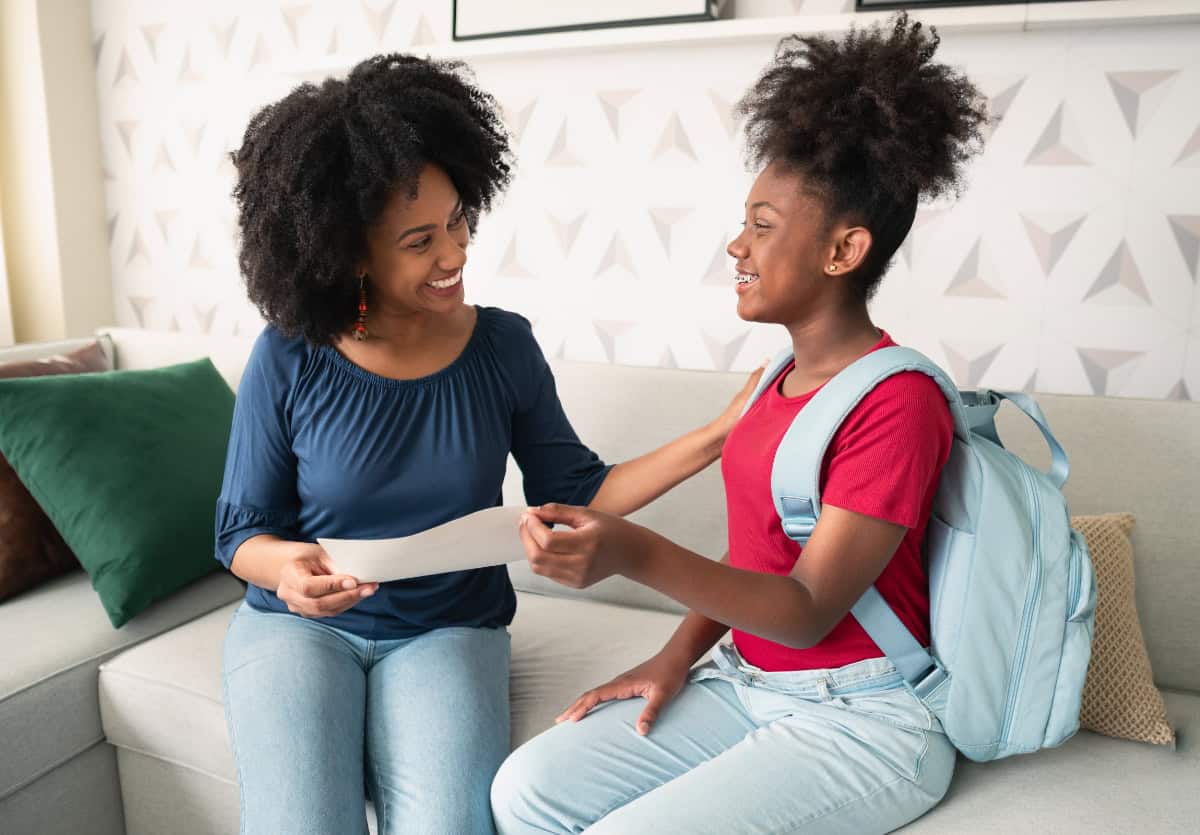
{"x": 802, "y": 724}
{"x": 378, "y": 404}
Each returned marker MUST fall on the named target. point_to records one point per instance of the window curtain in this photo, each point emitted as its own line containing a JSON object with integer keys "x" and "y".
{"x": 6, "y": 320}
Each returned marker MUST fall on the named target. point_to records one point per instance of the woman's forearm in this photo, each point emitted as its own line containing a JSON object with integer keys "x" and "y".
{"x": 633, "y": 484}
{"x": 260, "y": 559}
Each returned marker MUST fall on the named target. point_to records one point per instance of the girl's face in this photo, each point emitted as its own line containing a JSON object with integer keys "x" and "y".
{"x": 417, "y": 250}
{"x": 783, "y": 252}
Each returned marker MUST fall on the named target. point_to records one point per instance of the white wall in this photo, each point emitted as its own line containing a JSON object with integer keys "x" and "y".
{"x": 1069, "y": 265}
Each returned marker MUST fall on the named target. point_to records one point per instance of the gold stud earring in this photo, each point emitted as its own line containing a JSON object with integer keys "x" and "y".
{"x": 832, "y": 268}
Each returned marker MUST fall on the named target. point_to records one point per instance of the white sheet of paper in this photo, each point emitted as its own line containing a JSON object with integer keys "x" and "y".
{"x": 486, "y": 537}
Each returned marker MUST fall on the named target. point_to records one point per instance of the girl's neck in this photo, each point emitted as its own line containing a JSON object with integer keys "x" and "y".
{"x": 825, "y": 345}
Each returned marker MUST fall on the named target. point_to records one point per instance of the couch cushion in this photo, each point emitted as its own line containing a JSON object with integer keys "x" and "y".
{"x": 163, "y": 699}
{"x": 58, "y": 636}
{"x": 27, "y": 351}
{"x": 135, "y": 348}
{"x": 80, "y": 796}
{"x": 1092, "y": 783}
{"x": 562, "y": 648}
{"x": 165, "y": 797}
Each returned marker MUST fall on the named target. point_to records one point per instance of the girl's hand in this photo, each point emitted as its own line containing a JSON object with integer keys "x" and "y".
{"x": 310, "y": 585}
{"x": 657, "y": 680}
{"x": 596, "y": 545}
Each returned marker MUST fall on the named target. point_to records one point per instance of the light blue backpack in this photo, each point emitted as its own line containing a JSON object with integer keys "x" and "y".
{"x": 1012, "y": 592}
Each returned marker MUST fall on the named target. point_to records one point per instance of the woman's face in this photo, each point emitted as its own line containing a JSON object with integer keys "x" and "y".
{"x": 417, "y": 250}
{"x": 783, "y": 251}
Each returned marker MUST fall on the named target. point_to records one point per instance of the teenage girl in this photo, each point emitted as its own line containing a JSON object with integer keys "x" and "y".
{"x": 800, "y": 723}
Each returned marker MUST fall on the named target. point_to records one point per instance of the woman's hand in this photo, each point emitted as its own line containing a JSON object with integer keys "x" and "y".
{"x": 657, "y": 680}
{"x": 310, "y": 585}
{"x": 634, "y": 484}
{"x": 725, "y": 422}
{"x": 595, "y": 545}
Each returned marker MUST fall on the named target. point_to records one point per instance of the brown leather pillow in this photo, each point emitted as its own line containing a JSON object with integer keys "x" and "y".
{"x": 31, "y": 551}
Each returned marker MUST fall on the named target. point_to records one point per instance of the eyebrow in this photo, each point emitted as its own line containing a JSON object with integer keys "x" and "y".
{"x": 428, "y": 227}
{"x": 766, "y": 204}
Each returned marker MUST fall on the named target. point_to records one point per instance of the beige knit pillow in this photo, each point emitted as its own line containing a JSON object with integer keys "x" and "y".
{"x": 1119, "y": 696}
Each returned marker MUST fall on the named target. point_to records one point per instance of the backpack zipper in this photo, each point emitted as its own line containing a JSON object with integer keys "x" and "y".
{"x": 1035, "y": 587}
{"x": 1073, "y": 578}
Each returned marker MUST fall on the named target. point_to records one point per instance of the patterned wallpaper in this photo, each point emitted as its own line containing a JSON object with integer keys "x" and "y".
{"x": 1070, "y": 264}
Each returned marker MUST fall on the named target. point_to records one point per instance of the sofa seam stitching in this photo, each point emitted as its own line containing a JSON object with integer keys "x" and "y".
{"x": 54, "y": 765}
{"x": 179, "y": 763}
{"x": 168, "y": 685}
{"x": 106, "y": 655}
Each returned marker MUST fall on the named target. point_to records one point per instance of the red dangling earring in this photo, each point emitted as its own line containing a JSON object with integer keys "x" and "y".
{"x": 360, "y": 327}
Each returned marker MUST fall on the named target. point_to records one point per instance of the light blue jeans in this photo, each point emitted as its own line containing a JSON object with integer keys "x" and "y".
{"x": 738, "y": 751}
{"x": 319, "y": 716}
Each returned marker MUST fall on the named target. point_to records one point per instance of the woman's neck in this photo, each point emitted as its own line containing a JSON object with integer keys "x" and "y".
{"x": 410, "y": 346}
{"x": 409, "y": 331}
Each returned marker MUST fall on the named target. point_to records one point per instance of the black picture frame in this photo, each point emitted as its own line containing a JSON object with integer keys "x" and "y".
{"x": 916, "y": 5}
{"x": 707, "y": 10}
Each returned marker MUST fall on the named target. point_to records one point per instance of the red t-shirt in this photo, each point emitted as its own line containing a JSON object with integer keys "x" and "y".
{"x": 884, "y": 461}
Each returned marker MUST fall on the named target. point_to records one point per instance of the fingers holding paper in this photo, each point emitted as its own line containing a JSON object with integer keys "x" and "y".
{"x": 587, "y": 547}
{"x": 311, "y": 586}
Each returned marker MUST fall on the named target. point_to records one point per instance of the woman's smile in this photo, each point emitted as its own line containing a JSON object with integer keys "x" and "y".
{"x": 446, "y": 286}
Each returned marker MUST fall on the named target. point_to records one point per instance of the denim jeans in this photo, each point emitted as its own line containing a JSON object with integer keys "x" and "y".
{"x": 318, "y": 717}
{"x": 739, "y": 750}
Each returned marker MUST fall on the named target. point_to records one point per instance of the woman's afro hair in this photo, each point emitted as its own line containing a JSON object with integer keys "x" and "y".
{"x": 316, "y": 169}
{"x": 871, "y": 122}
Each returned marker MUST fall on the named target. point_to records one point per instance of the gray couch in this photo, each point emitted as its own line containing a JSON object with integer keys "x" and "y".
{"x": 108, "y": 731}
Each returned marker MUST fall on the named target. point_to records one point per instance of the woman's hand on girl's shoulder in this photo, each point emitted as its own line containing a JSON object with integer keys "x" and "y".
{"x": 311, "y": 586}
{"x": 657, "y": 680}
{"x": 725, "y": 422}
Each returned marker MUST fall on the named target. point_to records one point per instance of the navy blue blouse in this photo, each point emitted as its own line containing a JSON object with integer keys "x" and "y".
{"x": 323, "y": 448}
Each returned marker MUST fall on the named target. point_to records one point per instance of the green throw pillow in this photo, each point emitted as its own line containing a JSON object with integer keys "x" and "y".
{"x": 127, "y": 465}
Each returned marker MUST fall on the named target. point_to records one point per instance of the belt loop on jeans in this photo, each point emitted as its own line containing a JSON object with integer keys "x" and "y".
{"x": 823, "y": 689}
{"x": 726, "y": 665}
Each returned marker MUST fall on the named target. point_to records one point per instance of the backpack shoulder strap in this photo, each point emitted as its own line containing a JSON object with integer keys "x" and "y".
{"x": 796, "y": 472}
{"x": 775, "y": 365}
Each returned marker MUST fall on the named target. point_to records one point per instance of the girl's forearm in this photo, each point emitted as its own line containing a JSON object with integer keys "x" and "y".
{"x": 778, "y": 608}
{"x": 696, "y": 635}
{"x": 633, "y": 484}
